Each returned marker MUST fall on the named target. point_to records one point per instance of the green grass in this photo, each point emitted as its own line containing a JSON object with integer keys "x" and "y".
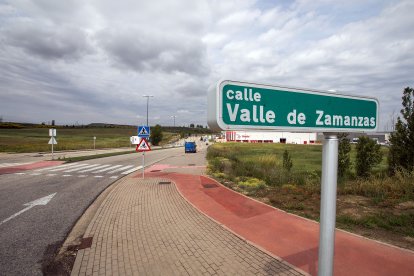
{"x": 36, "y": 139}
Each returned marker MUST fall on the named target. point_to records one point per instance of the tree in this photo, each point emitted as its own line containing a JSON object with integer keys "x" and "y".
{"x": 401, "y": 153}
{"x": 368, "y": 155}
{"x": 192, "y": 125}
{"x": 156, "y": 135}
{"x": 344, "y": 156}
{"x": 287, "y": 161}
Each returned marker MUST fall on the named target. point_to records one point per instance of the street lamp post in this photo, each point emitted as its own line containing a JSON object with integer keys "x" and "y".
{"x": 143, "y": 153}
{"x": 147, "y": 96}
{"x": 174, "y": 119}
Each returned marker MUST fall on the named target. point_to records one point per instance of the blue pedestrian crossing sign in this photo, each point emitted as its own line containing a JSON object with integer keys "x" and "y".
{"x": 143, "y": 131}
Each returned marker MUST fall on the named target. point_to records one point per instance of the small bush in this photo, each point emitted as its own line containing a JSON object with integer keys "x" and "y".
{"x": 287, "y": 161}
{"x": 251, "y": 184}
{"x": 368, "y": 155}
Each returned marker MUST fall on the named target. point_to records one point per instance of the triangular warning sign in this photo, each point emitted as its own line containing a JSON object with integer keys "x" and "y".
{"x": 52, "y": 141}
{"x": 143, "y": 146}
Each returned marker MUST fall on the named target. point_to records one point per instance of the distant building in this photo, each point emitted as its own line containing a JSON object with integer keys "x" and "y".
{"x": 381, "y": 137}
{"x": 270, "y": 137}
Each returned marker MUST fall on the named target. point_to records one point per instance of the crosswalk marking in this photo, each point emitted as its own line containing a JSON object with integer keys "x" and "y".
{"x": 57, "y": 167}
{"x": 107, "y": 169}
{"x": 64, "y": 168}
{"x": 99, "y": 167}
{"x": 11, "y": 164}
{"x": 132, "y": 170}
{"x": 81, "y": 168}
{"x": 120, "y": 169}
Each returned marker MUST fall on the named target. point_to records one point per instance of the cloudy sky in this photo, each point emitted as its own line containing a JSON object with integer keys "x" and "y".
{"x": 92, "y": 61}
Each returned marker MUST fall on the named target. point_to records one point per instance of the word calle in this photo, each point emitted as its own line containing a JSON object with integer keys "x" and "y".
{"x": 256, "y": 114}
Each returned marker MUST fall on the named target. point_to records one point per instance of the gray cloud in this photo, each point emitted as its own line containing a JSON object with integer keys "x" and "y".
{"x": 48, "y": 41}
{"x": 146, "y": 50}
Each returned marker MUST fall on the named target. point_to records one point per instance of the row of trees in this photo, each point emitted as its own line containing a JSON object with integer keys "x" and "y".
{"x": 401, "y": 152}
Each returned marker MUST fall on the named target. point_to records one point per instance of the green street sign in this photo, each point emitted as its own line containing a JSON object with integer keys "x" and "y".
{"x": 238, "y": 105}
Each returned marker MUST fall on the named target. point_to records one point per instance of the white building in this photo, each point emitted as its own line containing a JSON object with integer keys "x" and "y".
{"x": 270, "y": 137}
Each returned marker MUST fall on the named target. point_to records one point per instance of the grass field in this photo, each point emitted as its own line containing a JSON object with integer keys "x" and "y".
{"x": 379, "y": 207}
{"x": 36, "y": 139}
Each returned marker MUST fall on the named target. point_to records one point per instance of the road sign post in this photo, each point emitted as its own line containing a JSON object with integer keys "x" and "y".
{"x": 52, "y": 141}
{"x": 235, "y": 105}
{"x": 143, "y": 146}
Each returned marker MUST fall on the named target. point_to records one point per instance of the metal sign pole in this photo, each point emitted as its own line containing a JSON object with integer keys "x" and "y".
{"x": 52, "y": 147}
{"x": 143, "y": 164}
{"x": 328, "y": 204}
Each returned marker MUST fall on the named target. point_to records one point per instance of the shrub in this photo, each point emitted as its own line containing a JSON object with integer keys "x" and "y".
{"x": 344, "y": 157}
{"x": 287, "y": 161}
{"x": 401, "y": 154}
{"x": 368, "y": 155}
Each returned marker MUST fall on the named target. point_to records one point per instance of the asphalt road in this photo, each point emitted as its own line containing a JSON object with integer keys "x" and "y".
{"x": 27, "y": 238}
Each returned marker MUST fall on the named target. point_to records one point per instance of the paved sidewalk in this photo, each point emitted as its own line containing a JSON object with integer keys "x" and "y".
{"x": 145, "y": 227}
{"x": 292, "y": 238}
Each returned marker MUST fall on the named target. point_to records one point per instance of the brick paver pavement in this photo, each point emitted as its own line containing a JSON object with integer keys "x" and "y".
{"x": 146, "y": 228}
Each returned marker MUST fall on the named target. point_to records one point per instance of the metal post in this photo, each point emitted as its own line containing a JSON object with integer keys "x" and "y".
{"x": 328, "y": 204}
{"x": 52, "y": 148}
{"x": 143, "y": 164}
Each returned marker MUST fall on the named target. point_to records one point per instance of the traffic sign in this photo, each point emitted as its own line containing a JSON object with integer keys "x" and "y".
{"x": 135, "y": 140}
{"x": 143, "y": 146}
{"x": 52, "y": 132}
{"x": 52, "y": 141}
{"x": 143, "y": 131}
{"x": 238, "y": 105}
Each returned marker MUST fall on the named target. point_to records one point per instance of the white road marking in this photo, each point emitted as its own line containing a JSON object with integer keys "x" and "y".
{"x": 35, "y": 174}
{"x": 114, "y": 176}
{"x": 98, "y": 176}
{"x": 11, "y": 164}
{"x": 132, "y": 170}
{"x": 51, "y": 174}
{"x": 64, "y": 168}
{"x": 88, "y": 170}
{"x": 19, "y": 173}
{"x": 107, "y": 169}
{"x": 56, "y": 167}
{"x": 67, "y": 175}
{"x": 120, "y": 169}
{"x": 41, "y": 201}
{"x": 82, "y": 168}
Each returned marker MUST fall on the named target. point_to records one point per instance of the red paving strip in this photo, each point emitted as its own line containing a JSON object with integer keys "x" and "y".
{"x": 36, "y": 165}
{"x": 292, "y": 238}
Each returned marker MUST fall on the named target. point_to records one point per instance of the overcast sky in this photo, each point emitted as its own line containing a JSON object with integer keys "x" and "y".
{"x": 92, "y": 61}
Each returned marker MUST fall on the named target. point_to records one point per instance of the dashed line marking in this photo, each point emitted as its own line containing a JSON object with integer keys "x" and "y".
{"x": 67, "y": 175}
{"x": 35, "y": 174}
{"x": 20, "y": 173}
{"x": 98, "y": 176}
{"x": 51, "y": 174}
{"x": 115, "y": 176}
